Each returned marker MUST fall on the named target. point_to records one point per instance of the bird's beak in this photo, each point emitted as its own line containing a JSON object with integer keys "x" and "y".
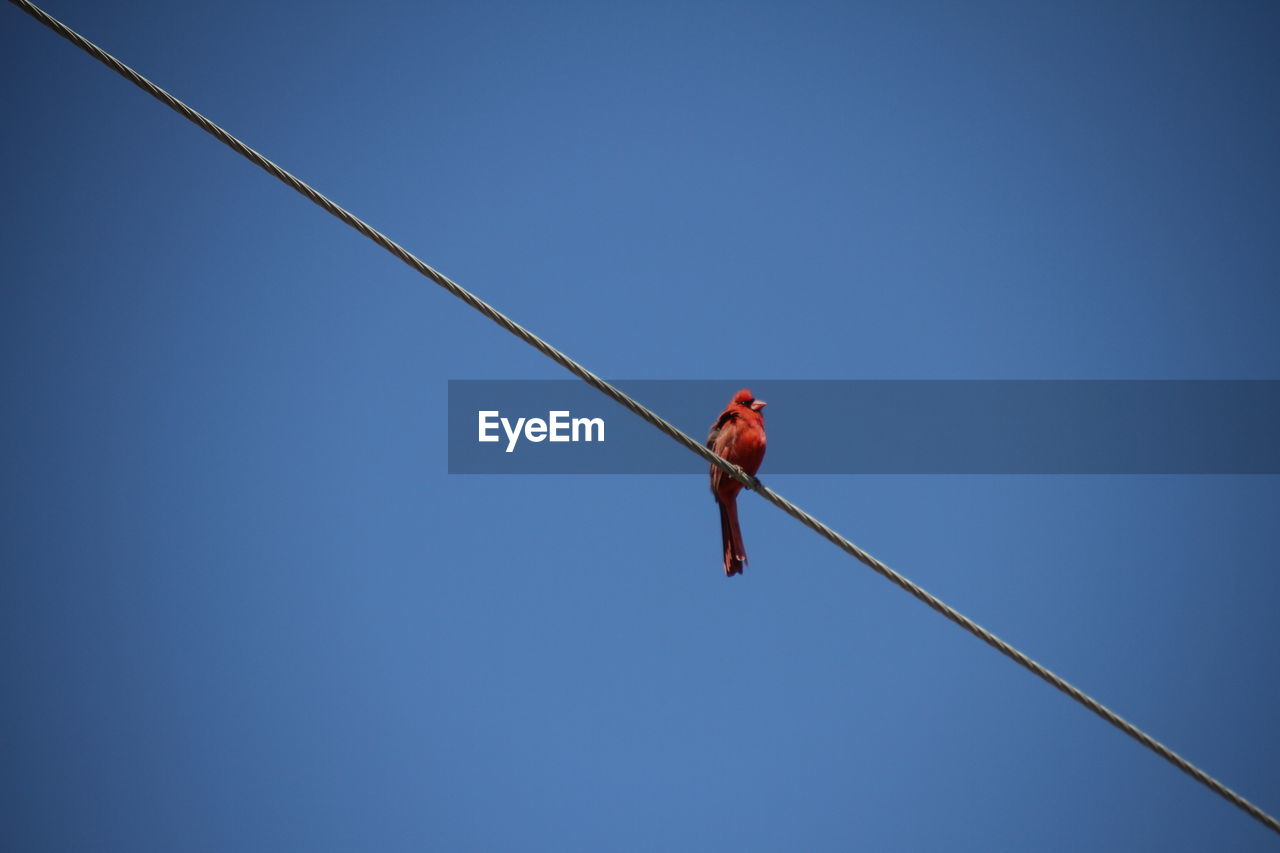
{"x": 758, "y": 405}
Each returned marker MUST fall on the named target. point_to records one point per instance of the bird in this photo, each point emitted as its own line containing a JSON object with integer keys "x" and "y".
{"x": 738, "y": 436}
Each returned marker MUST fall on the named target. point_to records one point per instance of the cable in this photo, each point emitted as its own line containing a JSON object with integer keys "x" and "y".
{"x": 645, "y": 413}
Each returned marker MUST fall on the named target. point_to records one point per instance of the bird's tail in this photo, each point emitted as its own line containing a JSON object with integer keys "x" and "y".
{"x": 735, "y": 556}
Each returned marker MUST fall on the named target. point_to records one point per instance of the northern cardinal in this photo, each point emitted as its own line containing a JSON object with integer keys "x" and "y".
{"x": 737, "y": 436}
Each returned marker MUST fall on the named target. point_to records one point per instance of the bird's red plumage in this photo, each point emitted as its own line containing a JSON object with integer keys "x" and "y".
{"x": 738, "y": 436}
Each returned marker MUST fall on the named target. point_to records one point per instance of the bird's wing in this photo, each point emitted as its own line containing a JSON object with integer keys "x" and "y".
{"x": 720, "y": 442}
{"x": 725, "y": 418}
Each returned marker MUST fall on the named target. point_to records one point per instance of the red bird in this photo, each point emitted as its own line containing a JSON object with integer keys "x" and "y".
{"x": 737, "y": 436}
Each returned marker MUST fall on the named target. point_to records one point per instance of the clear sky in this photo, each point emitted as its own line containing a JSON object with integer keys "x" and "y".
{"x": 246, "y": 608}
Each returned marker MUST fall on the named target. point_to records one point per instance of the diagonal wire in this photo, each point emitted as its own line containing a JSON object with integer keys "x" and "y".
{"x": 645, "y": 413}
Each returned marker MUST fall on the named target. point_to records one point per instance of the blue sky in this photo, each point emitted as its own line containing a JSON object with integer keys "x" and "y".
{"x": 245, "y": 607}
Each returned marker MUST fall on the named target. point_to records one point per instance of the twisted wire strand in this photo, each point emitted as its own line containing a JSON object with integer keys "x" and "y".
{"x": 643, "y": 412}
